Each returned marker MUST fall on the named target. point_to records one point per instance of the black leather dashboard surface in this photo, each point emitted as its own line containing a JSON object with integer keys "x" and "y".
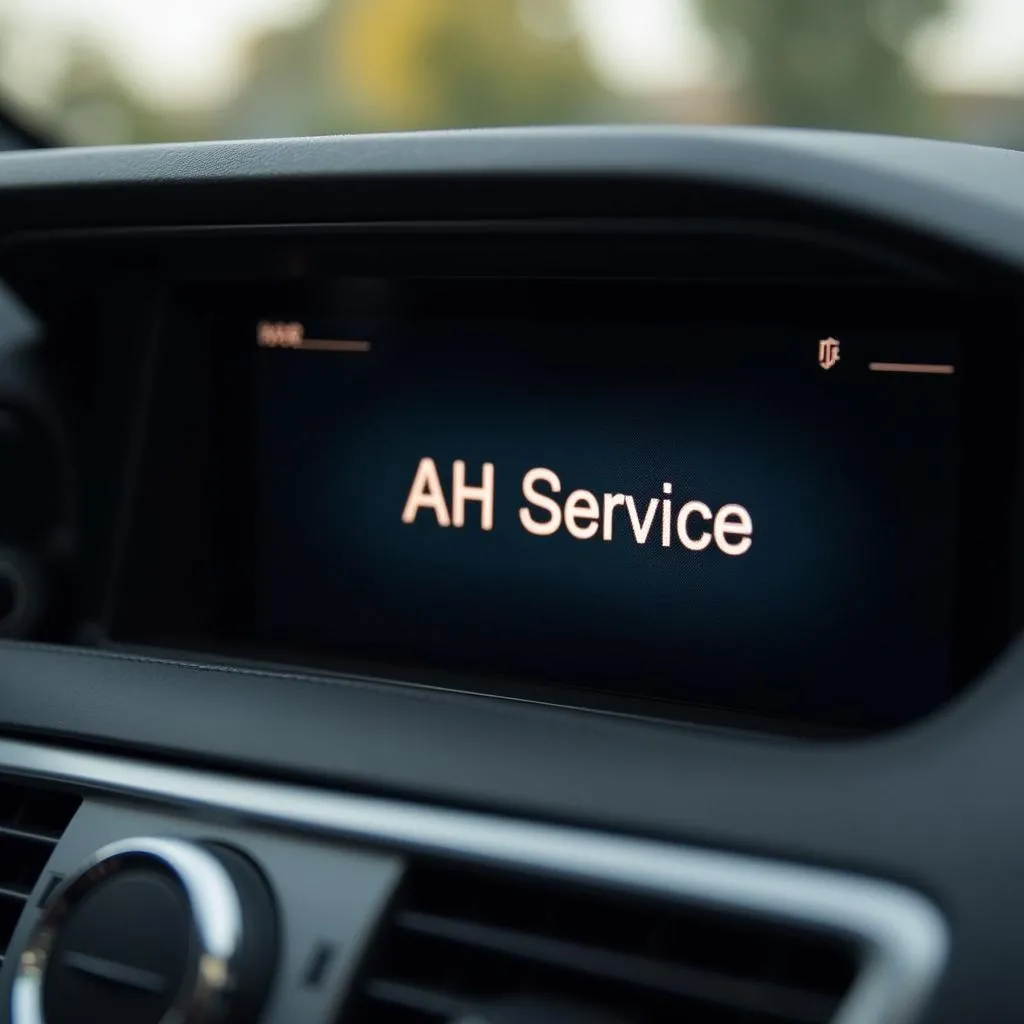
{"x": 901, "y": 804}
{"x": 968, "y": 194}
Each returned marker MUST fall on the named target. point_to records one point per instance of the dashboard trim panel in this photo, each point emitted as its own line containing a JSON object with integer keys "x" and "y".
{"x": 968, "y": 194}
{"x": 903, "y": 938}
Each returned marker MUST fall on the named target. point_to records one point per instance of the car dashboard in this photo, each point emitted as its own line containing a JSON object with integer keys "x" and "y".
{"x": 515, "y": 576}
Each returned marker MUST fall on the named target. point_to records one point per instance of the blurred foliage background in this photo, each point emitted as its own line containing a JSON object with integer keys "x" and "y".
{"x": 333, "y": 66}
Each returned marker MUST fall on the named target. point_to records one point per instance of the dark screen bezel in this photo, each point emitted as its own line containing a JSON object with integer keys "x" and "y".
{"x": 226, "y": 590}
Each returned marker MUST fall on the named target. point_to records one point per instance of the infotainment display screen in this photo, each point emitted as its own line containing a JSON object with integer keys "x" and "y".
{"x": 748, "y": 499}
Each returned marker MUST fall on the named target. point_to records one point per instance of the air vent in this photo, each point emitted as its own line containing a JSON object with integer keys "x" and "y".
{"x": 459, "y": 942}
{"x": 31, "y": 824}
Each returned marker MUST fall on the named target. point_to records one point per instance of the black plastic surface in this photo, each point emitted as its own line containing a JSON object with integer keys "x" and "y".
{"x": 946, "y": 188}
{"x": 969, "y": 195}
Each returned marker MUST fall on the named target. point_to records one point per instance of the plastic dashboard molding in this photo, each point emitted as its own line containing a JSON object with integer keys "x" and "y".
{"x": 902, "y": 940}
{"x": 971, "y": 196}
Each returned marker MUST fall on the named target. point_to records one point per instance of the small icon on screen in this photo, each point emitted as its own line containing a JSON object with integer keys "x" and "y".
{"x": 292, "y": 334}
{"x": 828, "y": 353}
{"x": 280, "y": 334}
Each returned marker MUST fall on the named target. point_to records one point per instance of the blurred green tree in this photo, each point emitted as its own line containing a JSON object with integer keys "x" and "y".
{"x": 449, "y": 63}
{"x": 358, "y": 65}
{"x": 92, "y": 105}
{"x": 287, "y": 87}
{"x": 828, "y": 63}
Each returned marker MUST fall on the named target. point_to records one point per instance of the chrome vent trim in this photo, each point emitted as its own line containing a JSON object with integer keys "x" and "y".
{"x": 903, "y": 938}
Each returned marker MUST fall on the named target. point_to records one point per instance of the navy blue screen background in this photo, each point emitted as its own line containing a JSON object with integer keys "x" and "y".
{"x": 843, "y": 605}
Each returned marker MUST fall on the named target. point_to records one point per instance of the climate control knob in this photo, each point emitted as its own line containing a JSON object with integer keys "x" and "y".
{"x": 151, "y": 931}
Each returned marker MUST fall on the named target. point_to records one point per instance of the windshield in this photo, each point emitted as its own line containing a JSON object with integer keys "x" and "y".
{"x": 116, "y": 71}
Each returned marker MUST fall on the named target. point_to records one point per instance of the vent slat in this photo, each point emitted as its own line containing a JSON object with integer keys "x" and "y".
{"x": 30, "y": 836}
{"x": 790, "y": 1004}
{"x": 31, "y": 823}
{"x": 37, "y": 813}
{"x": 15, "y": 892}
{"x": 462, "y": 939}
{"x": 422, "y": 1000}
{"x": 22, "y": 861}
{"x": 10, "y": 912}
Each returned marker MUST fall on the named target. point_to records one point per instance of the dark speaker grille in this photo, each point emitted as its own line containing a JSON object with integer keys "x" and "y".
{"x": 459, "y": 939}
